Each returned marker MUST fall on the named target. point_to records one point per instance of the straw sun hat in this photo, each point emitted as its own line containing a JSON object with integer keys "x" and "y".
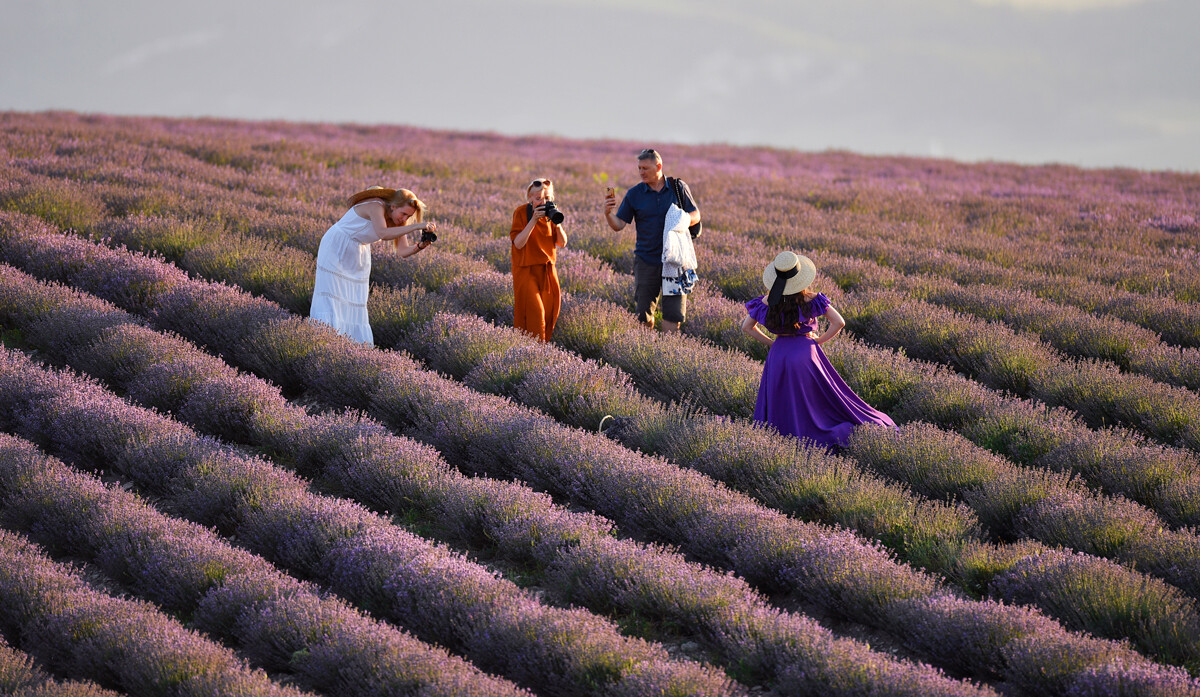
{"x": 373, "y": 192}
{"x": 797, "y": 269}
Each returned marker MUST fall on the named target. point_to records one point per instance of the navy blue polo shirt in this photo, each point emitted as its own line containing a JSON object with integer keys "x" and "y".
{"x": 647, "y": 209}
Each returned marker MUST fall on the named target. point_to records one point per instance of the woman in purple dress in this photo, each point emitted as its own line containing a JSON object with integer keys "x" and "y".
{"x": 801, "y": 394}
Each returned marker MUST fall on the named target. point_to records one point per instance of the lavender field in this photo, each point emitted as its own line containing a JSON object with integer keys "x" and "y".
{"x": 204, "y": 493}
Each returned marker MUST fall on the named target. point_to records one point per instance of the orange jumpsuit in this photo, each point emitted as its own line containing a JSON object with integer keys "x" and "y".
{"x": 537, "y": 297}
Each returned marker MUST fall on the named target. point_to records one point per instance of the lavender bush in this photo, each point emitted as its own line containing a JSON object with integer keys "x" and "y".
{"x": 284, "y": 626}
{"x": 292, "y": 436}
{"x": 273, "y": 514}
{"x": 129, "y": 645}
{"x": 287, "y": 181}
{"x": 837, "y": 600}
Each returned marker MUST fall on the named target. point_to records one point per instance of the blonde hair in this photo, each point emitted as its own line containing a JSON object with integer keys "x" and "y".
{"x": 400, "y": 199}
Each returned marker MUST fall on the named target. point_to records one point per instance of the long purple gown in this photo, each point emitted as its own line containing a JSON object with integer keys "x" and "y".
{"x": 801, "y": 394}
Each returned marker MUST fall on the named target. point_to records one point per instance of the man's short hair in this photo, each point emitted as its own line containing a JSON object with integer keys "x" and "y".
{"x": 650, "y": 154}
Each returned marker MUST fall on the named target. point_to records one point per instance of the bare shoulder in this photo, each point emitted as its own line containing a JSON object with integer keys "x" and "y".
{"x": 365, "y": 208}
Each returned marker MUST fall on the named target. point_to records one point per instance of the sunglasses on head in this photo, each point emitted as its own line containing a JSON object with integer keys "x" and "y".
{"x": 539, "y": 183}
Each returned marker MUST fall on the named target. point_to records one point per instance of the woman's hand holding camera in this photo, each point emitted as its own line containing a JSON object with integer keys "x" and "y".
{"x": 428, "y": 235}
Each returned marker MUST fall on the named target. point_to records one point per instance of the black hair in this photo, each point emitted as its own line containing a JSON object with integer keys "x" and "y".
{"x": 784, "y": 319}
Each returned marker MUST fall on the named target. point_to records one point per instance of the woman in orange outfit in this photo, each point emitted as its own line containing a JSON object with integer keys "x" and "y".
{"x": 536, "y": 294}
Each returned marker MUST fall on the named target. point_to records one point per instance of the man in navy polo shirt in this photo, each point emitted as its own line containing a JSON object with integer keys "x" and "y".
{"x": 646, "y": 205}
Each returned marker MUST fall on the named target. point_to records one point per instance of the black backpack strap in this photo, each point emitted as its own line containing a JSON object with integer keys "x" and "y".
{"x": 677, "y": 187}
{"x": 674, "y": 182}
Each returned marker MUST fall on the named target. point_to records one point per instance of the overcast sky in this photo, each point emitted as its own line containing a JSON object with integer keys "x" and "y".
{"x": 1088, "y": 82}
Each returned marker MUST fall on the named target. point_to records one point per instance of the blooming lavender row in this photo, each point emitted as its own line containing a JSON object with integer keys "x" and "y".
{"x": 72, "y": 628}
{"x": 1178, "y": 322}
{"x": 942, "y": 539}
{"x": 725, "y": 627}
{"x": 1130, "y": 259}
{"x": 591, "y": 328}
{"x": 1157, "y": 558}
{"x": 926, "y": 536}
{"x": 770, "y": 550}
{"x": 1130, "y": 241}
{"x": 255, "y": 159}
{"x": 438, "y": 595}
{"x": 734, "y": 262}
{"x": 816, "y": 229}
{"x": 1101, "y": 393}
{"x": 1141, "y": 256}
{"x": 21, "y": 676}
{"x": 176, "y": 377}
{"x": 1065, "y": 327}
{"x": 863, "y": 498}
{"x": 1026, "y": 432}
{"x": 279, "y": 623}
{"x": 1002, "y": 359}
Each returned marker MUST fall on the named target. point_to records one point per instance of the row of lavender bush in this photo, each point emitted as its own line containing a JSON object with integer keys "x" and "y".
{"x": 708, "y": 378}
{"x": 438, "y": 595}
{"x": 730, "y": 263}
{"x": 1176, "y": 321}
{"x": 1127, "y": 406}
{"x": 1067, "y": 328}
{"x": 1152, "y": 553}
{"x": 996, "y": 356}
{"x": 1099, "y": 392}
{"x": 188, "y": 154}
{"x": 1164, "y": 412}
{"x": 1109, "y": 458}
{"x": 931, "y": 539}
{"x": 1134, "y": 228}
{"x": 279, "y": 623}
{"x": 513, "y": 438}
{"x": 579, "y": 393}
{"x": 364, "y": 461}
{"x": 72, "y": 628}
{"x": 1166, "y": 289}
{"x": 21, "y": 676}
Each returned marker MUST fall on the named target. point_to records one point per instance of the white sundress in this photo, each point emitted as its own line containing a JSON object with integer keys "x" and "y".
{"x": 343, "y": 277}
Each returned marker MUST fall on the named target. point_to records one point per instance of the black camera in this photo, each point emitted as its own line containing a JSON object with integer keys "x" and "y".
{"x": 553, "y": 213}
{"x": 427, "y": 236}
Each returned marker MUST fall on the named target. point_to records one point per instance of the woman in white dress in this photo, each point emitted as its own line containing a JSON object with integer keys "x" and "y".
{"x": 344, "y": 257}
